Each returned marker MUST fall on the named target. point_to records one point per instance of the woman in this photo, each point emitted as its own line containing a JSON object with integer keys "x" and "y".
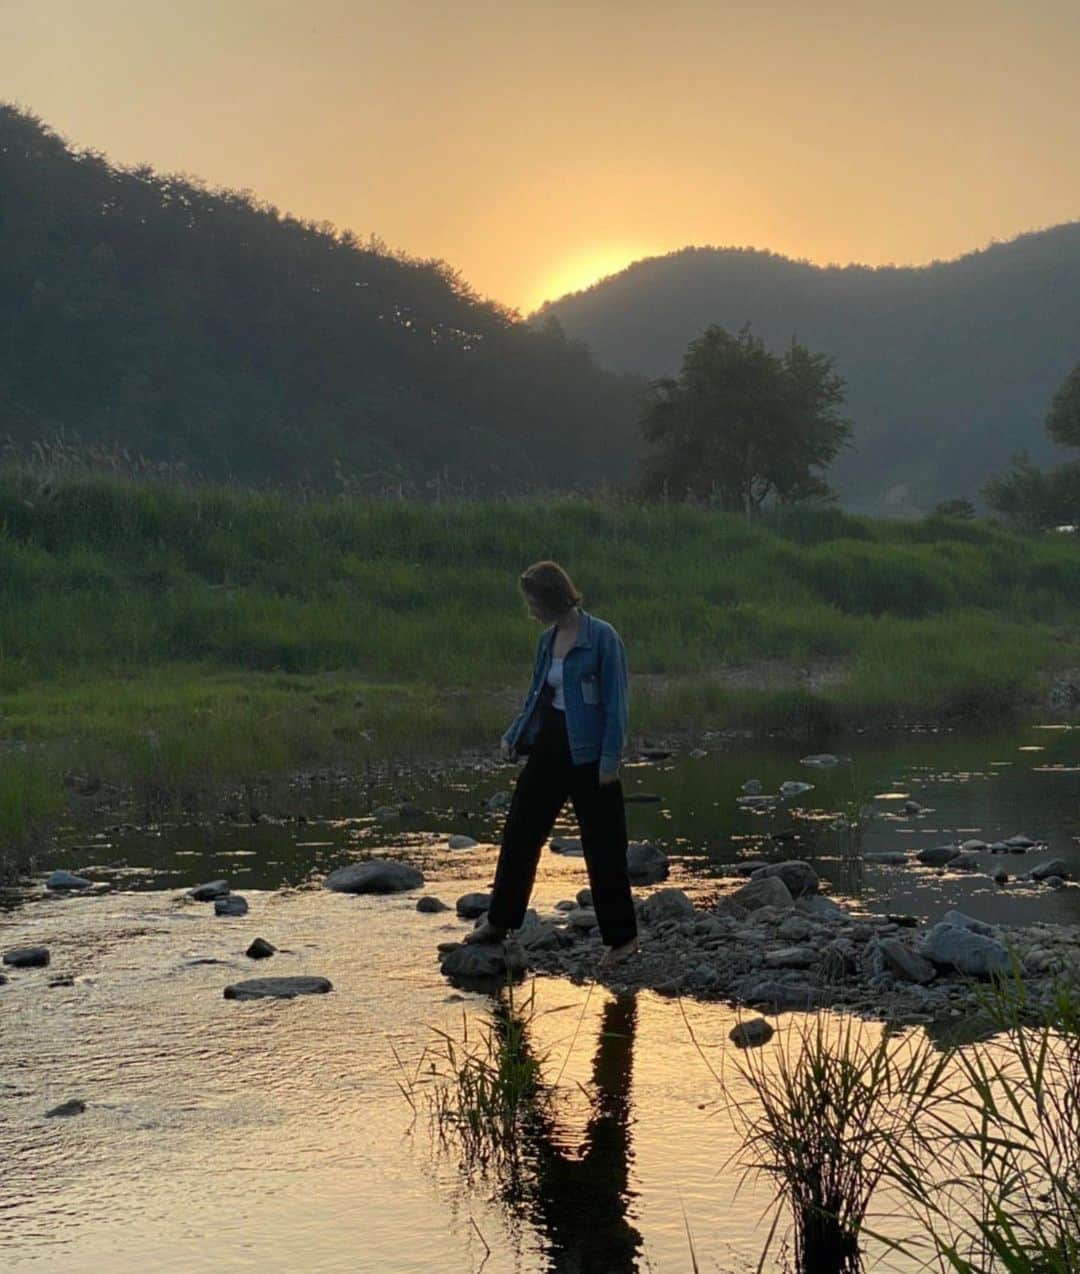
{"x": 572, "y": 728}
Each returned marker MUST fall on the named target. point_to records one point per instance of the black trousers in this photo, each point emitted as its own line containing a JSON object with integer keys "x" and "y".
{"x": 549, "y": 777}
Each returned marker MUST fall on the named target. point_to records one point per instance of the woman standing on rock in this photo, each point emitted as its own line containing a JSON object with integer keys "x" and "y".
{"x": 572, "y": 728}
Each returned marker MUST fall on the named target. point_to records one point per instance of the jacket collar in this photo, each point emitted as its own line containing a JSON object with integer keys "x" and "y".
{"x": 584, "y": 633}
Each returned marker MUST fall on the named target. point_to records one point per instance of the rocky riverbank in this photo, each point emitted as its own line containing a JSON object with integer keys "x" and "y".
{"x": 775, "y": 942}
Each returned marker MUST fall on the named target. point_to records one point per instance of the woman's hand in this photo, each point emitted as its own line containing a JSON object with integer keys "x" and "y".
{"x": 608, "y": 776}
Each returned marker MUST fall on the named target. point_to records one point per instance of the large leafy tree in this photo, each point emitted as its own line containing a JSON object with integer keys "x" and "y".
{"x": 741, "y": 426}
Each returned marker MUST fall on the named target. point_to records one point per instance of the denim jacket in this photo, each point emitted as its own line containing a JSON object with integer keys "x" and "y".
{"x": 595, "y": 690}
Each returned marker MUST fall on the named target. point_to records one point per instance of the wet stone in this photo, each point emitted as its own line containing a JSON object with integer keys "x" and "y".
{"x": 277, "y": 988}
{"x": 751, "y": 1034}
{"x": 27, "y": 957}
{"x": 937, "y": 855}
{"x": 75, "y": 1106}
{"x": 260, "y": 949}
{"x": 461, "y": 842}
{"x": 209, "y": 891}
{"x": 431, "y": 905}
{"x": 233, "y": 905}
{"x": 60, "y": 881}
{"x": 472, "y": 906}
{"x": 376, "y": 876}
{"x": 645, "y": 864}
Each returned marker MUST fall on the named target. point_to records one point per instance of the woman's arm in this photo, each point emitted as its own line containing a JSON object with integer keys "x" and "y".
{"x": 614, "y": 694}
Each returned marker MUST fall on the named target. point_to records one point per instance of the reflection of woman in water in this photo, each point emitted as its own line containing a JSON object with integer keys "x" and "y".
{"x": 572, "y": 727}
{"x": 580, "y": 1198}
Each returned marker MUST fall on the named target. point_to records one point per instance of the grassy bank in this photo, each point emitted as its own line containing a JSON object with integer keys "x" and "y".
{"x": 181, "y": 634}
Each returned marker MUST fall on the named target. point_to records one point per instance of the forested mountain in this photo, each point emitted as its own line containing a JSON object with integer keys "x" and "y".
{"x": 950, "y": 367}
{"x": 200, "y": 326}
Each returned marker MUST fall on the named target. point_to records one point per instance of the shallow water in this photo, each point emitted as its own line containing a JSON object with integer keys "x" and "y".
{"x": 272, "y": 1135}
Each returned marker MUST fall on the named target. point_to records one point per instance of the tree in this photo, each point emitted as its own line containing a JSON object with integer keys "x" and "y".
{"x": 741, "y": 426}
{"x": 1063, "y": 418}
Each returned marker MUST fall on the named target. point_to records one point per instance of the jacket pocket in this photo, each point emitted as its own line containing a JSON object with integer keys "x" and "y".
{"x": 590, "y": 690}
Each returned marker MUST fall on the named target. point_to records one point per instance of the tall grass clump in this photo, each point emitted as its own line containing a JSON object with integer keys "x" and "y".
{"x": 31, "y": 799}
{"x": 1000, "y": 1186}
{"x": 832, "y": 1114}
{"x": 481, "y": 1087}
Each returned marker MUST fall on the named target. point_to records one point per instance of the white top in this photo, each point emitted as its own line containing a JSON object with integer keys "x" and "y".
{"x": 555, "y": 681}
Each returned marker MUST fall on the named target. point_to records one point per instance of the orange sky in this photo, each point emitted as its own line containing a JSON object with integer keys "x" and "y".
{"x": 537, "y": 145}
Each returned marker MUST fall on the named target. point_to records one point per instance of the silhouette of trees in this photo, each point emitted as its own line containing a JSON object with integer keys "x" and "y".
{"x": 205, "y": 327}
{"x": 742, "y": 426}
{"x": 1063, "y": 418}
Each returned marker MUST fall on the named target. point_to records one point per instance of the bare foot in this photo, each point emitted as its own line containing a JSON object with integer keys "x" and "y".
{"x": 485, "y": 933}
{"x": 614, "y": 956}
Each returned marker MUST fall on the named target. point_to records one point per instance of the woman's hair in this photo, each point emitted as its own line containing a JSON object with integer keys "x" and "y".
{"x": 548, "y": 584}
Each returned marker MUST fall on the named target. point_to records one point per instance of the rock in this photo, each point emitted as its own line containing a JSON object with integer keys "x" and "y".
{"x": 232, "y": 905}
{"x": 696, "y": 754}
{"x": 756, "y": 802}
{"x": 1055, "y": 867}
{"x": 902, "y": 920}
{"x": 461, "y": 842}
{"x": 431, "y": 905}
{"x": 793, "y": 787}
{"x": 497, "y": 801}
{"x": 3, "y": 980}
{"x": 961, "y": 921}
{"x": 905, "y": 964}
{"x": 482, "y": 962}
{"x": 27, "y": 957}
{"x": 799, "y": 877}
{"x": 973, "y": 846}
{"x": 767, "y": 891}
{"x": 74, "y": 1106}
{"x": 642, "y": 798}
{"x": 821, "y": 760}
{"x": 65, "y": 880}
{"x": 937, "y": 855}
{"x": 667, "y": 904}
{"x": 790, "y": 958}
{"x": 376, "y": 876}
{"x": 655, "y": 754}
{"x": 1055, "y": 882}
{"x": 781, "y": 995}
{"x": 912, "y": 807}
{"x": 584, "y": 898}
{"x": 750, "y": 866}
{"x": 569, "y": 846}
{"x": 538, "y": 935}
{"x": 886, "y": 857}
{"x": 65, "y": 980}
{"x": 968, "y": 952}
{"x": 753, "y": 787}
{"x": 566, "y": 904}
{"x": 963, "y": 862}
{"x": 211, "y": 890}
{"x": 646, "y": 864}
{"x": 472, "y": 906}
{"x": 999, "y": 847}
{"x": 751, "y": 1034}
{"x": 581, "y": 918}
{"x": 386, "y": 812}
{"x": 260, "y": 949}
{"x": 795, "y": 929}
{"x": 277, "y": 988}
{"x": 1001, "y": 876}
{"x": 1020, "y": 843}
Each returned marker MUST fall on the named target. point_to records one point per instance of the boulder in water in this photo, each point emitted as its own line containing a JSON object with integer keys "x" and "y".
{"x": 376, "y": 876}
{"x": 277, "y": 988}
{"x": 60, "y": 881}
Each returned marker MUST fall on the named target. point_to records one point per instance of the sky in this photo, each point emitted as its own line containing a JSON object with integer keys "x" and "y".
{"x": 538, "y": 146}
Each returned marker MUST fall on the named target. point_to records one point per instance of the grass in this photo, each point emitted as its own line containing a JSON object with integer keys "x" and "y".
{"x": 180, "y": 633}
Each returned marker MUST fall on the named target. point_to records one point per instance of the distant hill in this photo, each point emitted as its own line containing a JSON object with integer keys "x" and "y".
{"x": 199, "y": 326}
{"x": 950, "y": 367}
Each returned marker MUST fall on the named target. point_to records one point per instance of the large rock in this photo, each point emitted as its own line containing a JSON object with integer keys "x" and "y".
{"x": 1055, "y": 867}
{"x": 818, "y": 907}
{"x": 646, "y": 864}
{"x": 962, "y": 921}
{"x": 779, "y": 995}
{"x": 767, "y": 891}
{"x": 799, "y": 877}
{"x": 937, "y": 855}
{"x": 65, "y": 880}
{"x": 211, "y": 890}
{"x": 568, "y": 846}
{"x": 905, "y": 964}
{"x": 277, "y": 988}
{"x": 667, "y": 904}
{"x": 1020, "y": 843}
{"x": 431, "y": 905}
{"x": 377, "y": 876}
{"x": 472, "y": 906}
{"x": 481, "y": 962}
{"x": 968, "y": 952}
{"x": 458, "y": 841}
{"x": 27, "y": 957}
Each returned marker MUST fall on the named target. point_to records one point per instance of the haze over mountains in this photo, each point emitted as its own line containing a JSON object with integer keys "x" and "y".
{"x": 950, "y": 367}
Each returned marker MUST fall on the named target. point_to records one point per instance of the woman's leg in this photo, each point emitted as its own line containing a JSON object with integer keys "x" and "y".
{"x": 538, "y": 798}
{"x": 601, "y": 815}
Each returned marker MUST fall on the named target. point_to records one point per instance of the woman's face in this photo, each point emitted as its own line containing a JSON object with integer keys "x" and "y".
{"x": 538, "y": 611}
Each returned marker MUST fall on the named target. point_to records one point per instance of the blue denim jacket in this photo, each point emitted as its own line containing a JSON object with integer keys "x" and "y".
{"x": 595, "y": 690}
